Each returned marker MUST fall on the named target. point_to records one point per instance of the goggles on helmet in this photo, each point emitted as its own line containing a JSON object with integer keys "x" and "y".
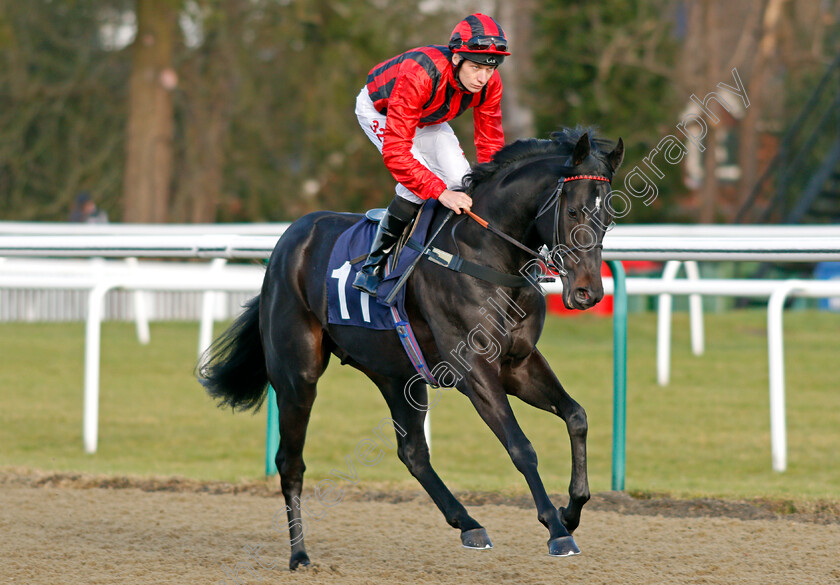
{"x": 484, "y": 42}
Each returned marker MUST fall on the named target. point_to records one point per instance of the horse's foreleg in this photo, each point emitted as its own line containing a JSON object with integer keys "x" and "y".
{"x": 532, "y": 381}
{"x": 413, "y": 451}
{"x": 491, "y": 402}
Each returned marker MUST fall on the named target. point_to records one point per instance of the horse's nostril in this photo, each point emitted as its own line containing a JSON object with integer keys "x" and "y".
{"x": 581, "y": 295}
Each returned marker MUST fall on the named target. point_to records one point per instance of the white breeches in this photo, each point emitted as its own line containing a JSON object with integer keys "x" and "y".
{"x": 436, "y": 147}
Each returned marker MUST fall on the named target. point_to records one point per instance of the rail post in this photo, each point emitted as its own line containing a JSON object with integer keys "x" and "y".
{"x": 272, "y": 433}
{"x": 619, "y": 374}
{"x": 272, "y": 429}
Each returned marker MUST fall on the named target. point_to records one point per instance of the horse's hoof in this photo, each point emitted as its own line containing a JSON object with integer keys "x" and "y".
{"x": 299, "y": 559}
{"x": 476, "y": 538}
{"x": 563, "y": 546}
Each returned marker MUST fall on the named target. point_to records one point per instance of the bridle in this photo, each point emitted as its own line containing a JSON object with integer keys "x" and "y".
{"x": 552, "y": 201}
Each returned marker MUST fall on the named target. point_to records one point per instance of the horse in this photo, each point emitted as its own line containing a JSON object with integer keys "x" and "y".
{"x": 533, "y": 192}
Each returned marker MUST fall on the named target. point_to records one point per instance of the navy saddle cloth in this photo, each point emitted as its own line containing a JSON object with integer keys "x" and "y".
{"x": 348, "y": 306}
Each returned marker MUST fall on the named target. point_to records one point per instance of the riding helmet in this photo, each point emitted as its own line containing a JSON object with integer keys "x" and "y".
{"x": 480, "y": 39}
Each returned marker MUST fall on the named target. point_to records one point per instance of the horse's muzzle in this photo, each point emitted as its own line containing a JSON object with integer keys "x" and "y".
{"x": 582, "y": 298}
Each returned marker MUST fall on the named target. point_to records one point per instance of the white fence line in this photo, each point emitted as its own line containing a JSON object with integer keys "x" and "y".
{"x": 776, "y": 291}
{"x": 663, "y": 337}
{"x": 56, "y": 305}
{"x": 213, "y": 281}
{"x": 276, "y": 229}
{"x": 26, "y": 228}
{"x": 61, "y": 306}
{"x": 720, "y": 243}
{"x": 718, "y": 230}
{"x": 786, "y": 247}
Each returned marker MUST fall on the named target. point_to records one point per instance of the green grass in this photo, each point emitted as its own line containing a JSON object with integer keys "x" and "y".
{"x": 705, "y": 434}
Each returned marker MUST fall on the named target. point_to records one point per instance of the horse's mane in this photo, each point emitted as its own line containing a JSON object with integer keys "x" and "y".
{"x": 561, "y": 143}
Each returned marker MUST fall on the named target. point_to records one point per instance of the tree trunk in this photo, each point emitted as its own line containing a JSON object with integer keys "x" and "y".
{"x": 709, "y": 191}
{"x": 148, "y": 170}
{"x": 206, "y": 132}
{"x": 210, "y": 78}
{"x": 748, "y": 138}
{"x": 516, "y": 19}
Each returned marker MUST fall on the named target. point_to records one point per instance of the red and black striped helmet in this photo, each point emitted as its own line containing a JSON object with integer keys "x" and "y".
{"x": 479, "y": 38}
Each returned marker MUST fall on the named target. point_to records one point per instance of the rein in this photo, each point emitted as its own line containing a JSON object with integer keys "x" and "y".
{"x": 459, "y": 264}
{"x": 486, "y": 225}
{"x": 553, "y": 200}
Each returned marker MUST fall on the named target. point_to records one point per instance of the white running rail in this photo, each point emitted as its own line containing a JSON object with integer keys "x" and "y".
{"x": 659, "y": 243}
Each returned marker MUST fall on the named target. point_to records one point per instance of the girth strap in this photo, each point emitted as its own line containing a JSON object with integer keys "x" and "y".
{"x": 458, "y": 264}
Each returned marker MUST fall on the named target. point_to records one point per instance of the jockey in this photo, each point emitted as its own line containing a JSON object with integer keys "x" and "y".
{"x": 404, "y": 110}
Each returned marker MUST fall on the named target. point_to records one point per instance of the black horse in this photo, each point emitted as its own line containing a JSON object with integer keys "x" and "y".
{"x": 283, "y": 336}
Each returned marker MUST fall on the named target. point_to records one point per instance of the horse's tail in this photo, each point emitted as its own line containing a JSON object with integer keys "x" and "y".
{"x": 233, "y": 368}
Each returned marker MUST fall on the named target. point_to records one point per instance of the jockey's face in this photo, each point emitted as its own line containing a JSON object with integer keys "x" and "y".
{"x": 473, "y": 76}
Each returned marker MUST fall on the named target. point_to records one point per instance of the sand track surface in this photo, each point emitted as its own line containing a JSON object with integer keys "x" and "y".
{"x": 75, "y": 529}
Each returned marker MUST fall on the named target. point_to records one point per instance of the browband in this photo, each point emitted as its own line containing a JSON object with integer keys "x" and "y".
{"x": 590, "y": 177}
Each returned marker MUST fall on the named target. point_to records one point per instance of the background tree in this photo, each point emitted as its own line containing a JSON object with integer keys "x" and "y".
{"x": 62, "y": 107}
{"x": 210, "y": 79}
{"x": 610, "y": 64}
{"x": 148, "y": 167}
{"x": 517, "y": 19}
{"x": 242, "y": 110}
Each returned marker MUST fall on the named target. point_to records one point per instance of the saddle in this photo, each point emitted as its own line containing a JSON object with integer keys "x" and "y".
{"x": 376, "y": 214}
{"x": 349, "y": 306}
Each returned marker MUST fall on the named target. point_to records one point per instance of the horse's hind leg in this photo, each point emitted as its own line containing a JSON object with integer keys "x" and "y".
{"x": 294, "y": 403}
{"x": 295, "y": 359}
{"x": 413, "y": 451}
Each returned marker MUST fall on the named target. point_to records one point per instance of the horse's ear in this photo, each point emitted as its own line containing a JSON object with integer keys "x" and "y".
{"x": 581, "y": 150}
{"x": 616, "y": 157}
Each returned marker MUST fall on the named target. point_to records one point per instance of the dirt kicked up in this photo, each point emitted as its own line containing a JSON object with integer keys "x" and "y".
{"x": 64, "y": 528}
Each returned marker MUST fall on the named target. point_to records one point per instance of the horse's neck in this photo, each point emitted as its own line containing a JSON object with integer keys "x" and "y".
{"x": 510, "y": 201}
{"x": 513, "y": 208}
{"x": 483, "y": 246}
{"x": 507, "y": 210}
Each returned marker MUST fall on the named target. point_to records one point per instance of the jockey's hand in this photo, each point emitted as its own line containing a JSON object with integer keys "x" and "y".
{"x": 455, "y": 200}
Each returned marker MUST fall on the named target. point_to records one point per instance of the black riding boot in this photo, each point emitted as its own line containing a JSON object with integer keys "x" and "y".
{"x": 399, "y": 214}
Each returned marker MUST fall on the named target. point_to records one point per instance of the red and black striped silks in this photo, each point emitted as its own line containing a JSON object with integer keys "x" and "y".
{"x": 418, "y": 88}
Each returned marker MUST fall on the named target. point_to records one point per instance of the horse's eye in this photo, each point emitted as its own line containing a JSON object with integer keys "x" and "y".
{"x": 572, "y": 212}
